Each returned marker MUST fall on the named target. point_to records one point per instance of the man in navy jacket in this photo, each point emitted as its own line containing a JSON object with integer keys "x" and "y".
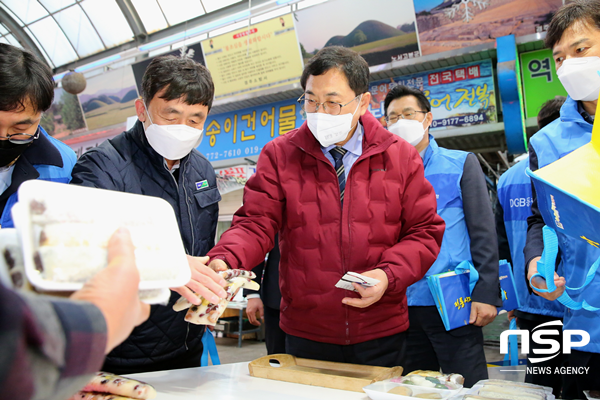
{"x": 157, "y": 157}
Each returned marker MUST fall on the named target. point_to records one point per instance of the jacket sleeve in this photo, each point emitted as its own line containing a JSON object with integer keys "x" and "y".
{"x": 534, "y": 245}
{"x": 50, "y": 347}
{"x": 95, "y": 169}
{"x": 503, "y": 245}
{"x": 422, "y": 230}
{"x": 255, "y": 224}
{"x": 479, "y": 218}
{"x": 258, "y": 271}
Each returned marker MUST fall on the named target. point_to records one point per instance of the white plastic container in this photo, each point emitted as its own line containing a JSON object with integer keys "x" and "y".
{"x": 59, "y": 210}
{"x": 379, "y": 391}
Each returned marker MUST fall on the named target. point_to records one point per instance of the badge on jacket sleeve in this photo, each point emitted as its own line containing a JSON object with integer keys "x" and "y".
{"x": 201, "y": 185}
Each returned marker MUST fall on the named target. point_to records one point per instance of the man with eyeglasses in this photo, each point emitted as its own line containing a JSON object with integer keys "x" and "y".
{"x": 463, "y": 203}
{"x": 26, "y": 150}
{"x": 344, "y": 195}
{"x": 51, "y": 347}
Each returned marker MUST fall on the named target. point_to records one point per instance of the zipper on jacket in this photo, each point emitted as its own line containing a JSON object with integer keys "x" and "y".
{"x": 363, "y": 157}
{"x": 345, "y": 268}
{"x": 187, "y": 332}
{"x": 187, "y": 203}
{"x": 185, "y": 342}
{"x": 170, "y": 173}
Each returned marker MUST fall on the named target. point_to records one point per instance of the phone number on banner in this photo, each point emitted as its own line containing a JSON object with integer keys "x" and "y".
{"x": 461, "y": 120}
{"x": 247, "y": 151}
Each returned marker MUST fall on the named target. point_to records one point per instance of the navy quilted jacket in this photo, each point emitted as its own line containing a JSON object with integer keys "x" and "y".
{"x": 127, "y": 163}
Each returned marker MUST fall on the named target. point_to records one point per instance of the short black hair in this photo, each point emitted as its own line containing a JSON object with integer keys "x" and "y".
{"x": 579, "y": 10}
{"x": 24, "y": 78}
{"x": 400, "y": 91}
{"x": 179, "y": 77}
{"x": 550, "y": 111}
{"x": 354, "y": 67}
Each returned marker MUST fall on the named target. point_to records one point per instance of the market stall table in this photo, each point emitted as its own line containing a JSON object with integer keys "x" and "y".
{"x": 233, "y": 381}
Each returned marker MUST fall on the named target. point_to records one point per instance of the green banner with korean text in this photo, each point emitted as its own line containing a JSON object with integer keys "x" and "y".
{"x": 540, "y": 82}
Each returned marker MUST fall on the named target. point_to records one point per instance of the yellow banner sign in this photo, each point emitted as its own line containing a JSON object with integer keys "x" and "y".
{"x": 261, "y": 56}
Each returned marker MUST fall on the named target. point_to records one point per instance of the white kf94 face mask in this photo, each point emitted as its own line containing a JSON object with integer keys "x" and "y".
{"x": 580, "y": 77}
{"x": 173, "y": 142}
{"x": 330, "y": 129}
{"x": 410, "y": 130}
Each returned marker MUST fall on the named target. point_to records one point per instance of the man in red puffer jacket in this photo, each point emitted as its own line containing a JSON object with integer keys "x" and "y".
{"x": 344, "y": 195}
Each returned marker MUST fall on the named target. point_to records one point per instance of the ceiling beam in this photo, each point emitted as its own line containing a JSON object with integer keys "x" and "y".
{"x": 133, "y": 18}
{"x": 20, "y": 34}
{"x": 201, "y": 20}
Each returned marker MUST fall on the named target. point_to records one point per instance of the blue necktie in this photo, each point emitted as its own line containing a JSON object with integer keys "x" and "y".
{"x": 338, "y": 154}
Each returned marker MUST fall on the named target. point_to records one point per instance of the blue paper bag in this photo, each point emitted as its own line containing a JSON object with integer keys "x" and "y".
{"x": 452, "y": 294}
{"x": 510, "y": 300}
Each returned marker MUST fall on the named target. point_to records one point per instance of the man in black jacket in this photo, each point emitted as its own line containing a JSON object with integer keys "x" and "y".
{"x": 157, "y": 157}
{"x": 266, "y": 301}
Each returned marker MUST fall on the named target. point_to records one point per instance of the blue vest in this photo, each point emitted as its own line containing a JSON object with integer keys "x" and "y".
{"x": 47, "y": 172}
{"x": 444, "y": 169}
{"x": 514, "y": 195}
{"x": 553, "y": 142}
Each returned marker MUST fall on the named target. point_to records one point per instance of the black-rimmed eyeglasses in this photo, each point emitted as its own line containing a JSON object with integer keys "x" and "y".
{"x": 330, "y": 107}
{"x": 22, "y": 138}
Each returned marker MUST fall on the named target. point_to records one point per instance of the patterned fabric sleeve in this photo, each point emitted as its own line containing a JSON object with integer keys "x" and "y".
{"x": 50, "y": 347}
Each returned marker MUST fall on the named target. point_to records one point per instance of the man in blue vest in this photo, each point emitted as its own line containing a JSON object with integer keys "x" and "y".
{"x": 574, "y": 37}
{"x": 512, "y": 210}
{"x": 26, "y": 150}
{"x": 463, "y": 202}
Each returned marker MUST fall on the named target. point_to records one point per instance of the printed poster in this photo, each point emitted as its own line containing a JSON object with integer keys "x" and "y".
{"x": 453, "y": 24}
{"x": 244, "y": 133}
{"x": 382, "y": 31}
{"x": 540, "y": 82}
{"x": 265, "y": 55}
{"x": 64, "y": 117}
{"x": 109, "y": 98}
{"x": 462, "y": 95}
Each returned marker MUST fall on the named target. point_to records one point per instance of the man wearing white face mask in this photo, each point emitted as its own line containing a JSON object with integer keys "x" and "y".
{"x": 344, "y": 195}
{"x": 463, "y": 203}
{"x": 574, "y": 37}
{"x": 157, "y": 157}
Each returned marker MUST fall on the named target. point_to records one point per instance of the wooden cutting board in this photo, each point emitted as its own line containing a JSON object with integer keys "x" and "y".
{"x": 333, "y": 375}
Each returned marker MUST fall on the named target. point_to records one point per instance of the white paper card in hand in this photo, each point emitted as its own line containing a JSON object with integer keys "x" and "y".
{"x": 350, "y": 277}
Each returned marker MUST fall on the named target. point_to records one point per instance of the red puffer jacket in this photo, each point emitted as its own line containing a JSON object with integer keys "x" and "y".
{"x": 388, "y": 221}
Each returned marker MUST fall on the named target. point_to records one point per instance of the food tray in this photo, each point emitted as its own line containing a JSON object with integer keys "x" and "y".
{"x": 545, "y": 391}
{"x": 150, "y": 220}
{"x": 333, "y": 375}
{"x": 379, "y": 391}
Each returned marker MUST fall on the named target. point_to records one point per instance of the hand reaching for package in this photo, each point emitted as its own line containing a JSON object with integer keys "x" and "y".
{"x": 205, "y": 282}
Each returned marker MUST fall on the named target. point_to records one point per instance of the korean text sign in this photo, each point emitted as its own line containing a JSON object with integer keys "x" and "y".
{"x": 462, "y": 95}
{"x": 244, "y": 133}
{"x": 540, "y": 82}
{"x": 261, "y": 56}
